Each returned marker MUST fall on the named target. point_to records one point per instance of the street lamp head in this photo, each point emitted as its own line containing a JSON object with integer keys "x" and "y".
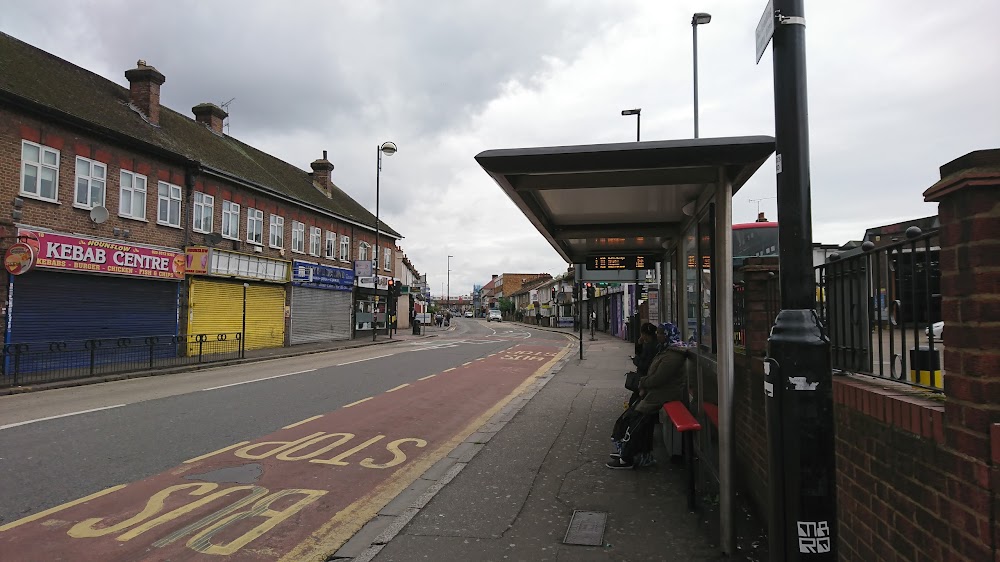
{"x": 700, "y": 18}
{"x": 388, "y": 148}
{"x": 635, "y": 111}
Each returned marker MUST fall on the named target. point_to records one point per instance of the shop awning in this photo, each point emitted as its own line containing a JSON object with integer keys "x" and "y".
{"x": 625, "y": 198}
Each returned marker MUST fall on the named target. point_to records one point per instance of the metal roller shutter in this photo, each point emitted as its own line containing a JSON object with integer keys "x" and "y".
{"x": 217, "y": 307}
{"x": 49, "y": 306}
{"x": 320, "y": 315}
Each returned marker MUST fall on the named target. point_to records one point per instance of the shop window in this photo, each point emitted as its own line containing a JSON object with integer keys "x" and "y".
{"x": 276, "y": 239}
{"x": 132, "y": 196}
{"x": 255, "y": 226}
{"x": 168, "y": 204}
{"x": 298, "y": 237}
{"x": 39, "y": 171}
{"x": 345, "y": 248}
{"x": 91, "y": 179}
{"x": 204, "y": 212}
{"x": 230, "y": 220}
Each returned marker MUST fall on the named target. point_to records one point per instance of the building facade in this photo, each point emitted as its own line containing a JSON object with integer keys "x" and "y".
{"x": 146, "y": 222}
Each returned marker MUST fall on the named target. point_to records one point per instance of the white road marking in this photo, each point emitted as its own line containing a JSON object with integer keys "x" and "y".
{"x": 398, "y": 387}
{"x": 356, "y": 403}
{"x": 427, "y": 377}
{"x": 367, "y": 359}
{"x": 446, "y": 370}
{"x": 307, "y": 420}
{"x": 10, "y": 425}
{"x": 257, "y": 380}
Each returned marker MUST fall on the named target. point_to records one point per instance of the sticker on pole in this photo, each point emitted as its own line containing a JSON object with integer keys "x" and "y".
{"x": 801, "y": 383}
{"x": 765, "y": 29}
{"x": 814, "y": 536}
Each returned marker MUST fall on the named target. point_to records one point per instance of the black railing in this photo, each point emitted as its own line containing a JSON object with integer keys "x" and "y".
{"x": 41, "y": 362}
{"x": 880, "y": 306}
{"x": 739, "y": 315}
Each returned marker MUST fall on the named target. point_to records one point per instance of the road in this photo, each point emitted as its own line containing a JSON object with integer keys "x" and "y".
{"x": 281, "y": 459}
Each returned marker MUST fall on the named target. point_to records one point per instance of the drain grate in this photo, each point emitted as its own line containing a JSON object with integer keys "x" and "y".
{"x": 586, "y": 528}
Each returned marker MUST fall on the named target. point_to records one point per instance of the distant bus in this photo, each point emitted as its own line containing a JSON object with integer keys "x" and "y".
{"x": 754, "y": 239}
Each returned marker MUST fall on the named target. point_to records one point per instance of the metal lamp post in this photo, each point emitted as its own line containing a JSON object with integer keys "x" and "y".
{"x": 447, "y": 295}
{"x": 388, "y": 148}
{"x": 697, "y": 19}
{"x": 637, "y": 112}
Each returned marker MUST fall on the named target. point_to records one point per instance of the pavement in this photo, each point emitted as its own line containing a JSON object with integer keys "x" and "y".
{"x": 510, "y": 491}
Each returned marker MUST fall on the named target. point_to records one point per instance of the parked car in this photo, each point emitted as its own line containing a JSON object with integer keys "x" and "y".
{"x": 468, "y": 314}
{"x": 494, "y": 315}
{"x": 936, "y": 331}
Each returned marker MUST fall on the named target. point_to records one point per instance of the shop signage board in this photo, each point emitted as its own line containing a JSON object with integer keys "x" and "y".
{"x": 224, "y": 263}
{"x": 316, "y": 276}
{"x": 75, "y": 253}
{"x": 20, "y": 258}
{"x": 362, "y": 268}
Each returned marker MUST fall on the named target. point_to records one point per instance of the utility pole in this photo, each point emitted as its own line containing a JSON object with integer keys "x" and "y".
{"x": 798, "y": 382}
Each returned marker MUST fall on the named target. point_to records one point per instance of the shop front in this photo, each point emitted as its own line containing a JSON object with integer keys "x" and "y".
{"x": 371, "y": 306}
{"x": 321, "y": 303}
{"x": 65, "y": 290}
{"x": 238, "y": 295}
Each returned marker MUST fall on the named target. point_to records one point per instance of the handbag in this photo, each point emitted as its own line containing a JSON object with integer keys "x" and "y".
{"x": 632, "y": 381}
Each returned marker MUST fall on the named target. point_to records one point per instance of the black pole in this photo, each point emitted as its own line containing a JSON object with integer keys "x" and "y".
{"x": 798, "y": 383}
{"x": 638, "y": 118}
{"x": 694, "y": 59}
{"x": 579, "y": 312}
{"x": 378, "y": 173}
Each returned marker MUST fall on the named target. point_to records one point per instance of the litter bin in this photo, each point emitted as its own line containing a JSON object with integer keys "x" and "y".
{"x": 416, "y": 328}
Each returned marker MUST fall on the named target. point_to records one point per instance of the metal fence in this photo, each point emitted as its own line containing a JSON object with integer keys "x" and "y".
{"x": 41, "y": 362}
{"x": 880, "y": 306}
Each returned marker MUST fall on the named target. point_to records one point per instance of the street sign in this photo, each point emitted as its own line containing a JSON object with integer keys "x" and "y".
{"x": 765, "y": 29}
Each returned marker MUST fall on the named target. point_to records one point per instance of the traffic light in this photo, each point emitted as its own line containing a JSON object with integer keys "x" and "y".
{"x": 591, "y": 290}
{"x": 395, "y": 289}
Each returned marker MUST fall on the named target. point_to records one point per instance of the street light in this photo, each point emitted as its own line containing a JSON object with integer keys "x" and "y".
{"x": 388, "y": 148}
{"x": 635, "y": 112}
{"x": 699, "y": 18}
{"x": 448, "y": 294}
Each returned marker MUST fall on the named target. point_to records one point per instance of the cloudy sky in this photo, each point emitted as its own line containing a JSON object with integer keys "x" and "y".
{"x": 896, "y": 88}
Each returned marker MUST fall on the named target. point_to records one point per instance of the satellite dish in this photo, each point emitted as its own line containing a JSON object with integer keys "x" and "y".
{"x": 99, "y": 215}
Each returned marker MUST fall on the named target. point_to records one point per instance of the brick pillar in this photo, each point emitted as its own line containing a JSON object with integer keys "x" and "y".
{"x": 760, "y": 278}
{"x": 969, "y": 211}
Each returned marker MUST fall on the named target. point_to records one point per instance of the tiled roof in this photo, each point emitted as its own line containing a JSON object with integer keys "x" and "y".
{"x": 42, "y": 79}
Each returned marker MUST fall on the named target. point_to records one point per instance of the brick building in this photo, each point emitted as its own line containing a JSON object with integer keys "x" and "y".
{"x": 143, "y": 221}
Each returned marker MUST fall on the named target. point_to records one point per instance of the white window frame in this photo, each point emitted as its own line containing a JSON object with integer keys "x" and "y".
{"x": 135, "y": 179}
{"x": 298, "y": 237}
{"x": 172, "y": 199}
{"x": 363, "y": 251}
{"x": 315, "y": 240}
{"x": 39, "y": 167}
{"x": 230, "y": 220}
{"x": 387, "y": 259}
{"x": 330, "y": 247}
{"x": 345, "y": 248}
{"x": 95, "y": 179}
{"x": 204, "y": 203}
{"x": 276, "y": 236}
{"x": 255, "y": 226}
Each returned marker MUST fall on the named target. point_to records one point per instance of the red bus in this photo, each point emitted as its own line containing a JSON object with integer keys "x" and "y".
{"x": 754, "y": 239}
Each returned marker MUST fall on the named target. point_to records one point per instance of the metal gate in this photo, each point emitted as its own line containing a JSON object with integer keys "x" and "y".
{"x": 320, "y": 315}
{"x": 216, "y": 307}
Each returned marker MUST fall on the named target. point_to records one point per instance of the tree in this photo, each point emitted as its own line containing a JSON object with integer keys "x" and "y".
{"x": 506, "y": 305}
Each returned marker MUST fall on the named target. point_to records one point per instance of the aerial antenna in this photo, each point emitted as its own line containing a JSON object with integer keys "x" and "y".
{"x": 225, "y": 107}
{"x": 758, "y": 200}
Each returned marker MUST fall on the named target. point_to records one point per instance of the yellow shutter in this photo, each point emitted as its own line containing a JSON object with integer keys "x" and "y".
{"x": 216, "y": 307}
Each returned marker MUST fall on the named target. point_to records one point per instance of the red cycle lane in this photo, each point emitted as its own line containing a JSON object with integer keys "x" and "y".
{"x": 296, "y": 494}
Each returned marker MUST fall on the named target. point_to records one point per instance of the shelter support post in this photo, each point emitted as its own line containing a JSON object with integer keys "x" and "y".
{"x": 724, "y": 344}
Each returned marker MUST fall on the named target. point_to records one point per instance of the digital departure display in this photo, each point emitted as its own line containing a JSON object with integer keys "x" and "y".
{"x": 620, "y": 262}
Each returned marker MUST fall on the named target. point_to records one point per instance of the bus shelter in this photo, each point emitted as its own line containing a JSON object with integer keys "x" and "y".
{"x": 671, "y": 200}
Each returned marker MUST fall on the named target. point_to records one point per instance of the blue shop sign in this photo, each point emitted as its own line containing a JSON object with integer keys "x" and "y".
{"x": 305, "y": 274}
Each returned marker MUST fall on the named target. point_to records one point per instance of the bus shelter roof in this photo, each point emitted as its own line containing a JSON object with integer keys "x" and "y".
{"x": 622, "y": 198}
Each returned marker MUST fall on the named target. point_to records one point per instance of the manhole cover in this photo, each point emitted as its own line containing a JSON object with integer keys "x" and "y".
{"x": 586, "y": 528}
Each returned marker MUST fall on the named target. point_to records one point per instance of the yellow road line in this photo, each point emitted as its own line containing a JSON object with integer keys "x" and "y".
{"x": 356, "y": 403}
{"x": 222, "y": 450}
{"x": 468, "y": 363}
{"x": 446, "y": 370}
{"x": 58, "y": 508}
{"x": 307, "y": 420}
{"x": 348, "y": 521}
{"x": 427, "y": 377}
{"x": 398, "y": 387}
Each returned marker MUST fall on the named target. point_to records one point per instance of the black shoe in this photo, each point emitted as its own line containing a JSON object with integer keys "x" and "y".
{"x": 615, "y": 455}
{"x": 619, "y": 464}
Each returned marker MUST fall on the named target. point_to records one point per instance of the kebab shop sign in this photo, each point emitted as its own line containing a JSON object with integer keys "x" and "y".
{"x": 73, "y": 253}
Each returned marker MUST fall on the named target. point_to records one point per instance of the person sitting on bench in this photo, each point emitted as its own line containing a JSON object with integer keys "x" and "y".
{"x": 665, "y": 382}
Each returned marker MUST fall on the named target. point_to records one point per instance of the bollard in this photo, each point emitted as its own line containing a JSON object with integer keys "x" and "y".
{"x": 925, "y": 367}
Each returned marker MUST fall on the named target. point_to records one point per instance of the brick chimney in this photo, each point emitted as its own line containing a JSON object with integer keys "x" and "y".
{"x": 144, "y": 90}
{"x": 761, "y": 217}
{"x": 210, "y": 115}
{"x": 321, "y": 175}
